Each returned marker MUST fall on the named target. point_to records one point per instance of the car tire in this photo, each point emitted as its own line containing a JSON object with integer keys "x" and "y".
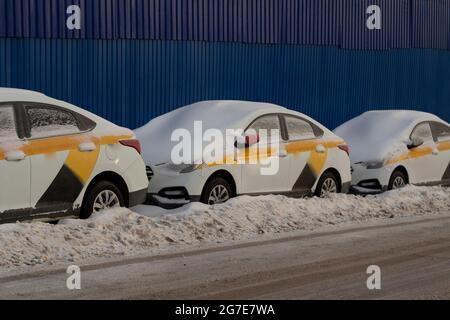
{"x": 397, "y": 181}
{"x": 329, "y": 182}
{"x": 217, "y": 190}
{"x": 97, "y": 194}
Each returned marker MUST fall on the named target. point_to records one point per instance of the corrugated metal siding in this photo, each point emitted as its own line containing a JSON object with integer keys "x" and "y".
{"x": 131, "y": 82}
{"x": 342, "y": 23}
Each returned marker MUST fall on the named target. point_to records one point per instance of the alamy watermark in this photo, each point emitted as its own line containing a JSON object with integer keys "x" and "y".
{"x": 74, "y": 12}
{"x": 227, "y": 147}
{"x": 374, "y": 280}
{"x": 73, "y": 282}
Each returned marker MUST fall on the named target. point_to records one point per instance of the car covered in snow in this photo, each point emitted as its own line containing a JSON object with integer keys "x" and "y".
{"x": 58, "y": 160}
{"x": 309, "y": 158}
{"x": 392, "y": 148}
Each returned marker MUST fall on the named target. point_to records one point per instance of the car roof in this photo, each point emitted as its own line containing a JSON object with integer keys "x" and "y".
{"x": 19, "y": 93}
{"x": 231, "y": 110}
{"x": 406, "y": 115}
{"x": 223, "y": 113}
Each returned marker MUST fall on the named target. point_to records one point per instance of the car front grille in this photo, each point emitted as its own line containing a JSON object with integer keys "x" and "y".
{"x": 149, "y": 172}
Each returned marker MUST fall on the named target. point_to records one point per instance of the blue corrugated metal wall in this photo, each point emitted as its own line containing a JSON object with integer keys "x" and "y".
{"x": 132, "y": 81}
{"x": 133, "y": 60}
{"x": 342, "y": 23}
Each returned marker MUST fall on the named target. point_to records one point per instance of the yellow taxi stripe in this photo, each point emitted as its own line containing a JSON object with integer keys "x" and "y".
{"x": 251, "y": 155}
{"x": 82, "y": 163}
{"x": 444, "y": 146}
{"x": 52, "y": 145}
{"x": 412, "y": 154}
{"x": 316, "y": 160}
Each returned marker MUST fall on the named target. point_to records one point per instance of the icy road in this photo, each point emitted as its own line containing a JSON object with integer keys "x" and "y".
{"x": 267, "y": 247}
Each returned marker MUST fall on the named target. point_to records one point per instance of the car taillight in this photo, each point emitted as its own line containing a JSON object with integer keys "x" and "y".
{"x": 345, "y": 148}
{"x": 135, "y": 144}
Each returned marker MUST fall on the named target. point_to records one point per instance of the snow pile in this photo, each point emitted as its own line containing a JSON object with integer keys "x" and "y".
{"x": 122, "y": 232}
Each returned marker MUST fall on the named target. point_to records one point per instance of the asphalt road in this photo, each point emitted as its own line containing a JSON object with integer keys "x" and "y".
{"x": 413, "y": 254}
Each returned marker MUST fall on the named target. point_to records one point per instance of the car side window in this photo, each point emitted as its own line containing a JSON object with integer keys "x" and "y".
{"x": 268, "y": 123}
{"x": 422, "y": 131}
{"x": 299, "y": 129}
{"x": 7, "y": 124}
{"x": 441, "y": 131}
{"x": 47, "y": 122}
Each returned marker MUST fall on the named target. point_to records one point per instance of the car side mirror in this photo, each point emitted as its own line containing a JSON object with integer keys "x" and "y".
{"x": 247, "y": 141}
{"x": 415, "y": 142}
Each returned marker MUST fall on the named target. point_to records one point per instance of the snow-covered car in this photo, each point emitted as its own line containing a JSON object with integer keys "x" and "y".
{"x": 58, "y": 160}
{"x": 392, "y": 148}
{"x": 311, "y": 159}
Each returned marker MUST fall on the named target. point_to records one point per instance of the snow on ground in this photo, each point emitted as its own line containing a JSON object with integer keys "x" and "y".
{"x": 121, "y": 232}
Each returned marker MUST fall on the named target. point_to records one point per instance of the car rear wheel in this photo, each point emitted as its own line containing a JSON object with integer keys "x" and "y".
{"x": 217, "y": 191}
{"x": 328, "y": 183}
{"x": 397, "y": 181}
{"x": 103, "y": 195}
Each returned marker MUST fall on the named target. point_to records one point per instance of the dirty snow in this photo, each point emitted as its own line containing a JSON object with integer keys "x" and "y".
{"x": 121, "y": 232}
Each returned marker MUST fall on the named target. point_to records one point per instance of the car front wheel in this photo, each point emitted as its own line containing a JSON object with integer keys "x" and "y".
{"x": 217, "y": 191}
{"x": 328, "y": 183}
{"x": 103, "y": 195}
{"x": 397, "y": 181}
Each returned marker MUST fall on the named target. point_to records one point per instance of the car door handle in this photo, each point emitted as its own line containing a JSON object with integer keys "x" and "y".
{"x": 320, "y": 148}
{"x": 15, "y": 156}
{"x": 87, "y": 147}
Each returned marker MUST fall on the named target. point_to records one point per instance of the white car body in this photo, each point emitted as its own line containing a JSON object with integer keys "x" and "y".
{"x": 303, "y": 162}
{"x": 379, "y": 141}
{"x": 46, "y": 167}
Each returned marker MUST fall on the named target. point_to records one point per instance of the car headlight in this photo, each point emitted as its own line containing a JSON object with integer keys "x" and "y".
{"x": 184, "y": 168}
{"x": 372, "y": 164}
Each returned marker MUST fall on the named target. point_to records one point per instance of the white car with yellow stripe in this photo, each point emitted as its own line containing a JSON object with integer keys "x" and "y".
{"x": 392, "y": 148}
{"x": 311, "y": 158}
{"x": 57, "y": 160}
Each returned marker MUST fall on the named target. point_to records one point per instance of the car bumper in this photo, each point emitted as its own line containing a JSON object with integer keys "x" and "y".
{"x": 370, "y": 180}
{"x": 167, "y": 203}
{"x": 170, "y": 188}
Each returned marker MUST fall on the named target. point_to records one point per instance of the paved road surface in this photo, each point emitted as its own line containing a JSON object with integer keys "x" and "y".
{"x": 414, "y": 256}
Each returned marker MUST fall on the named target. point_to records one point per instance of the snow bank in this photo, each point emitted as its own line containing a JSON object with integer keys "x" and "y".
{"x": 121, "y": 232}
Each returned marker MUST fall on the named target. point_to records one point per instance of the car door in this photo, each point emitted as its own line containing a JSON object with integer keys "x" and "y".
{"x": 306, "y": 153}
{"x": 14, "y": 167}
{"x": 59, "y": 166}
{"x": 423, "y": 161}
{"x": 441, "y": 136}
{"x": 270, "y": 172}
